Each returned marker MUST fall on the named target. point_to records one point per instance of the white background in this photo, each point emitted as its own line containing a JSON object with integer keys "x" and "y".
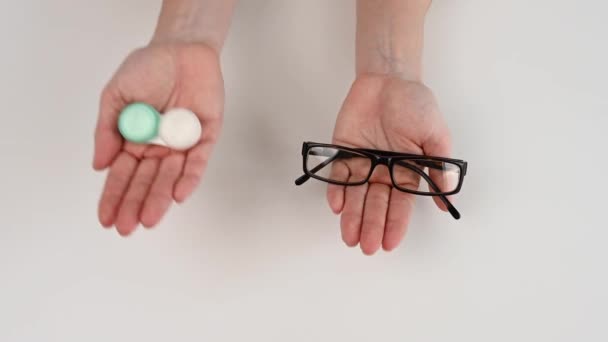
{"x": 522, "y": 85}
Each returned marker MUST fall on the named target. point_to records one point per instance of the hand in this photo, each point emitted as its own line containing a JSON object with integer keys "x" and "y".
{"x": 386, "y": 113}
{"x": 143, "y": 180}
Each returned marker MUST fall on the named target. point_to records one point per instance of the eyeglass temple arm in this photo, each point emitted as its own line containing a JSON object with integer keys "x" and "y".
{"x": 302, "y": 179}
{"x": 453, "y": 211}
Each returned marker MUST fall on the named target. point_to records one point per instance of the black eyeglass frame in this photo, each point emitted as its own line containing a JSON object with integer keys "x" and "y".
{"x": 389, "y": 159}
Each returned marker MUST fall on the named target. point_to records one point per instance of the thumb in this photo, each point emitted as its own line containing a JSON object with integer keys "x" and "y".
{"x": 108, "y": 140}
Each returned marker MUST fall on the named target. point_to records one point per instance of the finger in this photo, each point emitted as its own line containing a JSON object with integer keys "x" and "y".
{"x": 335, "y": 197}
{"x": 141, "y": 151}
{"x": 195, "y": 165}
{"x": 352, "y": 213}
{"x": 108, "y": 140}
{"x": 438, "y": 145}
{"x": 161, "y": 193}
{"x": 157, "y": 152}
{"x": 138, "y": 151}
{"x": 437, "y": 178}
{"x": 335, "y": 193}
{"x": 116, "y": 184}
{"x": 407, "y": 175}
{"x": 374, "y": 217}
{"x": 130, "y": 207}
{"x": 397, "y": 219}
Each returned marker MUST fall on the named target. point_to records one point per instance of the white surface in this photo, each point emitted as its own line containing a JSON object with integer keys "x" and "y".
{"x": 180, "y": 129}
{"x": 522, "y": 85}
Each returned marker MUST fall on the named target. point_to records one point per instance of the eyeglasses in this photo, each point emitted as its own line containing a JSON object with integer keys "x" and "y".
{"x": 415, "y": 174}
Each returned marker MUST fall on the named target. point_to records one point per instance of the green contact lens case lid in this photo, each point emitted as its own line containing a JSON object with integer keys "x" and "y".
{"x": 139, "y": 122}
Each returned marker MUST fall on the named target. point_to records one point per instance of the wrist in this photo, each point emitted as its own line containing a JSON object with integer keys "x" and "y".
{"x": 194, "y": 21}
{"x": 390, "y": 64}
{"x": 177, "y": 34}
{"x": 390, "y": 37}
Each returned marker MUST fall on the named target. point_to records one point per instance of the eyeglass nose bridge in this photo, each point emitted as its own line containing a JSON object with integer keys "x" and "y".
{"x": 382, "y": 160}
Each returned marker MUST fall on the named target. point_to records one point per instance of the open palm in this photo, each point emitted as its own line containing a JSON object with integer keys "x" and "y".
{"x": 144, "y": 180}
{"x": 386, "y": 113}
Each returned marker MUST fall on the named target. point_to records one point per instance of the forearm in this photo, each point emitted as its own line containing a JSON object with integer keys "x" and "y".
{"x": 204, "y": 21}
{"x": 390, "y": 37}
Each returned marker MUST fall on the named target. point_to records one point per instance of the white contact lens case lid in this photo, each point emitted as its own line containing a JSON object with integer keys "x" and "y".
{"x": 179, "y": 129}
